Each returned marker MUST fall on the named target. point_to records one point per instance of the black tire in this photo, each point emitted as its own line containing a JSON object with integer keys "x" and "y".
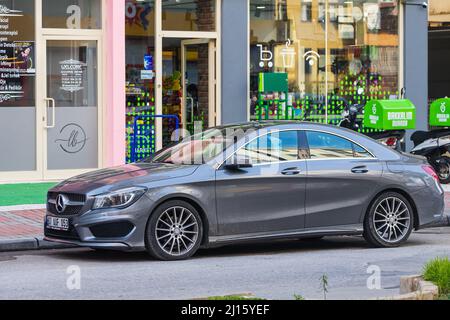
{"x": 184, "y": 243}
{"x": 380, "y": 237}
{"x": 443, "y": 170}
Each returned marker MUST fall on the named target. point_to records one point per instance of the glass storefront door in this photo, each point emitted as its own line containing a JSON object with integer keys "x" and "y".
{"x": 188, "y": 92}
{"x": 71, "y": 127}
{"x": 198, "y": 79}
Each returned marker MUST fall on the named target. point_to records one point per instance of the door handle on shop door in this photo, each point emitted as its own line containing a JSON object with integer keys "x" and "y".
{"x": 361, "y": 169}
{"x": 291, "y": 171}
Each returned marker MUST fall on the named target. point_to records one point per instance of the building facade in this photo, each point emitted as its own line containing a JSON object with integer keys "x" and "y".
{"x": 88, "y": 84}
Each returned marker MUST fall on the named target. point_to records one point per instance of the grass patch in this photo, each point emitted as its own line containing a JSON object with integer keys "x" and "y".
{"x": 26, "y": 193}
{"x": 438, "y": 272}
{"x": 234, "y": 298}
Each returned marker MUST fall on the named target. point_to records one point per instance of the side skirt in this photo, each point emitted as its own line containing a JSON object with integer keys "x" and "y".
{"x": 347, "y": 230}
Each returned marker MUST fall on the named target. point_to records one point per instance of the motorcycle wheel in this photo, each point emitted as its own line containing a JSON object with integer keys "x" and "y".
{"x": 443, "y": 169}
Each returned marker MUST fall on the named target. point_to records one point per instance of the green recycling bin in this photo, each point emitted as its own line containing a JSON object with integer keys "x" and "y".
{"x": 390, "y": 115}
{"x": 440, "y": 113}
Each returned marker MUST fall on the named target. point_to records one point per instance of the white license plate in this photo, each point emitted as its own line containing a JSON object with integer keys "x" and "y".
{"x": 61, "y": 224}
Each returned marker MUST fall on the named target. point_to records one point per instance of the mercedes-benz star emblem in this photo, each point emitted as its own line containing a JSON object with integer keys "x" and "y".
{"x": 61, "y": 203}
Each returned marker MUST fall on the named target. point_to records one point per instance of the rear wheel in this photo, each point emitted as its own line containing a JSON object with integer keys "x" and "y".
{"x": 389, "y": 222}
{"x": 174, "y": 231}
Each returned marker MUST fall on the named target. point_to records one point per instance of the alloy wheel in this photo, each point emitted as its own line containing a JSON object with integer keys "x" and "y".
{"x": 392, "y": 220}
{"x": 177, "y": 231}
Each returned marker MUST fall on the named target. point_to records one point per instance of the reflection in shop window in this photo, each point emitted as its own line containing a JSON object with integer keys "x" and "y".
{"x": 140, "y": 78}
{"x": 362, "y": 61}
{"x": 72, "y": 14}
{"x": 189, "y": 15}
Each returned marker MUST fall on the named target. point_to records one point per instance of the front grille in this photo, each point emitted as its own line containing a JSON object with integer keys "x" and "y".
{"x": 72, "y": 196}
{"x": 79, "y": 199}
{"x": 70, "y": 210}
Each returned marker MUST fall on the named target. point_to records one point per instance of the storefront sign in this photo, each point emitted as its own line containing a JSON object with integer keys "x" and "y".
{"x": 288, "y": 54}
{"x": 16, "y": 57}
{"x": 72, "y": 138}
{"x": 390, "y": 115}
{"x": 440, "y": 113}
{"x": 72, "y": 75}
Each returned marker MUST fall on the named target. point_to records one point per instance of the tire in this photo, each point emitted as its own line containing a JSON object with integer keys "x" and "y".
{"x": 385, "y": 227}
{"x": 443, "y": 169}
{"x": 174, "y": 231}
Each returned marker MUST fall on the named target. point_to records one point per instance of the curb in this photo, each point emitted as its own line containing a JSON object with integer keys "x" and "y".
{"x": 415, "y": 288}
{"x": 31, "y": 244}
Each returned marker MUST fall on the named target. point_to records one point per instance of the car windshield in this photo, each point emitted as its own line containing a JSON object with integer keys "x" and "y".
{"x": 199, "y": 148}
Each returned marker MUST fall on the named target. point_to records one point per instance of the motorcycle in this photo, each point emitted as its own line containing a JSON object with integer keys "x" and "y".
{"x": 435, "y": 146}
{"x": 350, "y": 120}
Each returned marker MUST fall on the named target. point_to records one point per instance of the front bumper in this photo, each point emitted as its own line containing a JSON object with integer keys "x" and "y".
{"x": 115, "y": 229}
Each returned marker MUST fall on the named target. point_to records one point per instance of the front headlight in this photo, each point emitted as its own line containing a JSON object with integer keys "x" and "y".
{"x": 118, "y": 199}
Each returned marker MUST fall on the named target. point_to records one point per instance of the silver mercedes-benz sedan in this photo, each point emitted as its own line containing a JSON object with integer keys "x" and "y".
{"x": 246, "y": 182}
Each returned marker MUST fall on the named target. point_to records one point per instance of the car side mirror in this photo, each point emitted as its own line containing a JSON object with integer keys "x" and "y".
{"x": 238, "y": 162}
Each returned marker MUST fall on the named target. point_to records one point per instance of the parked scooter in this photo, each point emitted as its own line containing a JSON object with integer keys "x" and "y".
{"x": 350, "y": 120}
{"x": 435, "y": 146}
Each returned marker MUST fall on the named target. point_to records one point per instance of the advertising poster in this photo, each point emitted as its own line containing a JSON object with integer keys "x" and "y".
{"x": 17, "y": 61}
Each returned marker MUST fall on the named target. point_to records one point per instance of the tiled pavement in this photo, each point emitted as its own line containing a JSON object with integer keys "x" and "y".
{"x": 21, "y": 224}
{"x": 28, "y": 224}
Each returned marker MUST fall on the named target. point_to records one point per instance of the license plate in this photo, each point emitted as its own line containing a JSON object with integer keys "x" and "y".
{"x": 61, "y": 224}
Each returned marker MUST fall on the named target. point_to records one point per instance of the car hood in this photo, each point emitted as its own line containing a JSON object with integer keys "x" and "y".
{"x": 123, "y": 176}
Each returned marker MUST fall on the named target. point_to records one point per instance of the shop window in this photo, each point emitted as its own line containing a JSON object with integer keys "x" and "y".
{"x": 17, "y": 86}
{"x": 439, "y": 50}
{"x": 356, "y": 60}
{"x": 189, "y": 15}
{"x": 140, "y": 78}
{"x": 72, "y": 14}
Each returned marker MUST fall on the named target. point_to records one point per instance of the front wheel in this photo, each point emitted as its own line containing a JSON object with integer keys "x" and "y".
{"x": 443, "y": 169}
{"x": 174, "y": 231}
{"x": 389, "y": 222}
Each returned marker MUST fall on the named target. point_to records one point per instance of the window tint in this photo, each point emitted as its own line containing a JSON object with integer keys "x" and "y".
{"x": 324, "y": 145}
{"x": 273, "y": 147}
{"x": 360, "y": 152}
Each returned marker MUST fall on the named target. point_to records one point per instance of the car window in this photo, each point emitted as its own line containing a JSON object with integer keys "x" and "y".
{"x": 360, "y": 152}
{"x": 273, "y": 147}
{"x": 323, "y": 145}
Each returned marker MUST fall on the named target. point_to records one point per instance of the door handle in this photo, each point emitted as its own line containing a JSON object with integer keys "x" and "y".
{"x": 53, "y": 106}
{"x": 291, "y": 171}
{"x": 361, "y": 169}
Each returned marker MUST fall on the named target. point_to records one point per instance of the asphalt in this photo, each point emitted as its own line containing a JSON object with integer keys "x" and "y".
{"x": 269, "y": 270}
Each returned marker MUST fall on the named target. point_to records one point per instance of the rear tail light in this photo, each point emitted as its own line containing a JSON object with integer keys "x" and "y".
{"x": 430, "y": 171}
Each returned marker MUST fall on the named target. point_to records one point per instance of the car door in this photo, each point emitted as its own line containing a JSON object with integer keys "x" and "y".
{"x": 341, "y": 177}
{"x": 270, "y": 195}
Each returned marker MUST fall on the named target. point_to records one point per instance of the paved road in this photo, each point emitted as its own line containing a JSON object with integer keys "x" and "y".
{"x": 276, "y": 270}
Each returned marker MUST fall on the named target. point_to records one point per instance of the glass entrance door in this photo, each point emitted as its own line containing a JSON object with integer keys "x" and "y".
{"x": 188, "y": 85}
{"x": 71, "y": 126}
{"x": 198, "y": 77}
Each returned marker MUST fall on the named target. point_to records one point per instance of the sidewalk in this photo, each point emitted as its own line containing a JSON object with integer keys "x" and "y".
{"x": 21, "y": 227}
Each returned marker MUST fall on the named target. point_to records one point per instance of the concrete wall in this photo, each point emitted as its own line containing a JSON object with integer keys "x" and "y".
{"x": 416, "y": 62}
{"x": 234, "y": 61}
